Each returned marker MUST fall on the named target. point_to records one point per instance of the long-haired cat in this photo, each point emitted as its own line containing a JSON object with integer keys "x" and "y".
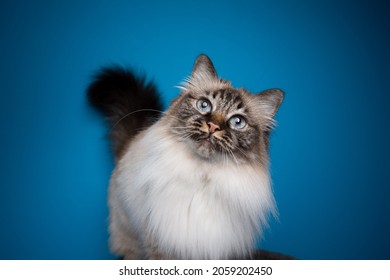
{"x": 192, "y": 182}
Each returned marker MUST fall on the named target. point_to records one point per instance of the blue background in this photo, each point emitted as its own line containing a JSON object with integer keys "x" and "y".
{"x": 330, "y": 152}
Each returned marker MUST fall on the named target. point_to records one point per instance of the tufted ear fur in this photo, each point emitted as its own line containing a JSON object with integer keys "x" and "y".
{"x": 203, "y": 67}
{"x": 267, "y": 103}
{"x": 203, "y": 77}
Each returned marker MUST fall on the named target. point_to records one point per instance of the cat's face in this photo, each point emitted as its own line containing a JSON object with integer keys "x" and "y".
{"x": 219, "y": 122}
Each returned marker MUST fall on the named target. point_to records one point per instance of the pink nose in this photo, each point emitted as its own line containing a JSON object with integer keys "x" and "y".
{"x": 213, "y": 127}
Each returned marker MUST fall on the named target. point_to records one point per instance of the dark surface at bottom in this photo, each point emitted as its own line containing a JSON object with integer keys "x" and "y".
{"x": 264, "y": 255}
{"x": 268, "y": 255}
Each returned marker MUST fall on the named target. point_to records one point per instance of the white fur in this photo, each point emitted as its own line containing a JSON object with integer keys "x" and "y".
{"x": 191, "y": 208}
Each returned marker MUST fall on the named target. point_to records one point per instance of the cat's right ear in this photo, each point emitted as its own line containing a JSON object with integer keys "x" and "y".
{"x": 268, "y": 103}
{"x": 203, "y": 67}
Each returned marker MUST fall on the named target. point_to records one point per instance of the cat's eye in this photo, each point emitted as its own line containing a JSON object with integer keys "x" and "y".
{"x": 204, "y": 106}
{"x": 237, "y": 122}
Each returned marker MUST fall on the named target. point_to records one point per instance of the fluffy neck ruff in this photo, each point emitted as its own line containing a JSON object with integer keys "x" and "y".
{"x": 191, "y": 208}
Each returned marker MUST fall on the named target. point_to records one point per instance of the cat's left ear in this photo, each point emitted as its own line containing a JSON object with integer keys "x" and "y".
{"x": 268, "y": 102}
{"x": 203, "y": 67}
{"x": 203, "y": 76}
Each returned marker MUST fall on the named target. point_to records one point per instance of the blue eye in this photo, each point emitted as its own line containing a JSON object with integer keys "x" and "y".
{"x": 237, "y": 122}
{"x": 203, "y": 106}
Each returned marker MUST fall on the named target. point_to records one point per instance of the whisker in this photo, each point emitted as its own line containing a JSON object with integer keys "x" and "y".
{"x": 235, "y": 159}
{"x": 136, "y": 111}
{"x": 181, "y": 127}
{"x": 145, "y": 110}
{"x": 256, "y": 159}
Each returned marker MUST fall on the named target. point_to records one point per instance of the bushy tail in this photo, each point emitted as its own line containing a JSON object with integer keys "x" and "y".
{"x": 129, "y": 103}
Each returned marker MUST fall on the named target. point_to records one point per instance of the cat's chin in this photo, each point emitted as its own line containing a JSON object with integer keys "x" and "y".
{"x": 206, "y": 149}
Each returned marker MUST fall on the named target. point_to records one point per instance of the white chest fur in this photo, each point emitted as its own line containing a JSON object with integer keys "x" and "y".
{"x": 192, "y": 208}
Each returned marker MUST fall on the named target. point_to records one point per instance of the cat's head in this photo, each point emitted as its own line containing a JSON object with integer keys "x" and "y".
{"x": 219, "y": 122}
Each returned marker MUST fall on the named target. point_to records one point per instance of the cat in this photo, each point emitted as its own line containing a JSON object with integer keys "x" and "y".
{"x": 192, "y": 182}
